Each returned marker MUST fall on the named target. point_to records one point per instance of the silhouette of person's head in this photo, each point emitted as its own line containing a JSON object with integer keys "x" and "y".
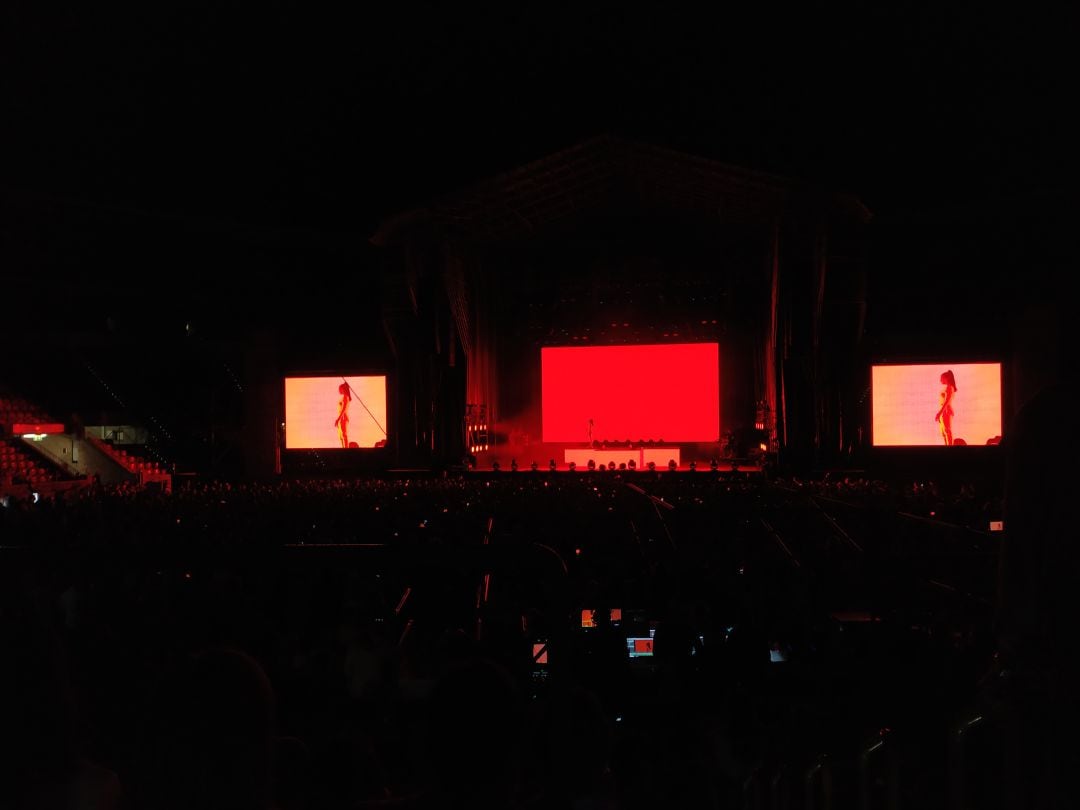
{"x": 215, "y": 743}
{"x": 579, "y": 741}
{"x": 474, "y": 736}
{"x": 1037, "y": 607}
{"x": 37, "y": 744}
{"x": 948, "y": 378}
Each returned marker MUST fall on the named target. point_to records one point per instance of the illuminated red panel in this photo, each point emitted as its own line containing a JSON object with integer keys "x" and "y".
{"x": 19, "y": 428}
{"x": 907, "y": 399}
{"x": 643, "y": 646}
{"x": 312, "y": 404}
{"x": 540, "y": 653}
{"x": 668, "y": 391}
{"x": 625, "y": 455}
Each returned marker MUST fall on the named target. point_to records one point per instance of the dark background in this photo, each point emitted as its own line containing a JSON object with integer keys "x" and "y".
{"x": 177, "y": 178}
{"x": 289, "y": 115}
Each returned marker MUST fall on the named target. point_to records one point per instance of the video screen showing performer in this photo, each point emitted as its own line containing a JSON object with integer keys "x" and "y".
{"x": 942, "y": 404}
{"x": 347, "y": 412}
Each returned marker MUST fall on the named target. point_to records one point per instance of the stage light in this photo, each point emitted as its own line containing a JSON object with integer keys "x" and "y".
{"x": 534, "y": 466}
{"x": 652, "y": 466}
{"x": 513, "y": 465}
{"x": 693, "y": 466}
{"x": 591, "y": 465}
{"x": 714, "y": 465}
{"x": 551, "y": 465}
{"x": 671, "y": 465}
{"x": 572, "y": 466}
{"x": 632, "y": 464}
{"x": 495, "y": 465}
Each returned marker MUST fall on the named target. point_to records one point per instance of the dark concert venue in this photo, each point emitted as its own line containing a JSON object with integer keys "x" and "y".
{"x": 585, "y": 409}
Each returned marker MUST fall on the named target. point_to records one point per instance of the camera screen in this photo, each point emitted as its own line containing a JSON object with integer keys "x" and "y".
{"x": 637, "y": 647}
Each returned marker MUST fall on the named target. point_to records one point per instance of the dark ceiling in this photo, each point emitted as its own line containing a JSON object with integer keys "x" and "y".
{"x": 292, "y": 115}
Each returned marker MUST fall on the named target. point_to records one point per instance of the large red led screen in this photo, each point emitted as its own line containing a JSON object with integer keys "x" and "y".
{"x": 936, "y": 404}
{"x": 651, "y": 392}
{"x": 327, "y": 412}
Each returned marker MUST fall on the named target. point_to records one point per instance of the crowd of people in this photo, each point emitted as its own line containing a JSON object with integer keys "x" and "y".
{"x": 468, "y": 640}
{"x": 964, "y": 503}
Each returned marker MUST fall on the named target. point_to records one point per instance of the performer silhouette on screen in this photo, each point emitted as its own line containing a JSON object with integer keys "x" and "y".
{"x": 342, "y": 421}
{"x": 589, "y": 433}
{"x": 944, "y": 415}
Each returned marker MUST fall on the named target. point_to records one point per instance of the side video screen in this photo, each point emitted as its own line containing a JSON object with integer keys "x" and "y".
{"x": 339, "y": 411}
{"x": 939, "y": 404}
